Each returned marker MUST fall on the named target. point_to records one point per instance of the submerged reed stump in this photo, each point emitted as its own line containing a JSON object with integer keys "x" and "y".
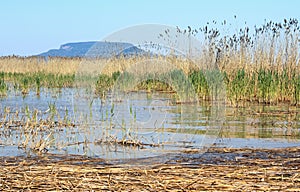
{"x": 249, "y": 170}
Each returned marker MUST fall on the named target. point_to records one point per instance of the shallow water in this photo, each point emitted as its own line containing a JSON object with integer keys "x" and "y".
{"x": 156, "y": 124}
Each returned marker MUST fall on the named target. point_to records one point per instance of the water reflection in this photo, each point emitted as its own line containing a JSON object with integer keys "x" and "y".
{"x": 157, "y": 124}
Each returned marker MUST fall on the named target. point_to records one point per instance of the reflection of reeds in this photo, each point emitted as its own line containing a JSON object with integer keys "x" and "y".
{"x": 31, "y": 129}
{"x": 38, "y": 132}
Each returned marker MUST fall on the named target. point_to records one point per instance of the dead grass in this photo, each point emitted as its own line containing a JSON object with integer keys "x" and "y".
{"x": 64, "y": 66}
{"x": 276, "y": 173}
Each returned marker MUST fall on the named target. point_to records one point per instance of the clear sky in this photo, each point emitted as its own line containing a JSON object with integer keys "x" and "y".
{"x": 31, "y": 27}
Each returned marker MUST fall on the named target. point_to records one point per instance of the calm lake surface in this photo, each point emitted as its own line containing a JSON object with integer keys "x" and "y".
{"x": 137, "y": 125}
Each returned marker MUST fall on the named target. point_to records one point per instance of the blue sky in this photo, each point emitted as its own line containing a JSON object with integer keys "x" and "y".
{"x": 31, "y": 27}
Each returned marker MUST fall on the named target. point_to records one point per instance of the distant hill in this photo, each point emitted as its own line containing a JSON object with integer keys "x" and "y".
{"x": 94, "y": 49}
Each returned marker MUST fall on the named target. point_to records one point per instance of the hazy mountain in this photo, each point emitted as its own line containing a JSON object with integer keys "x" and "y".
{"x": 94, "y": 49}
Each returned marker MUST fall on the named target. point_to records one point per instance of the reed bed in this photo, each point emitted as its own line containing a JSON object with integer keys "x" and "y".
{"x": 259, "y": 64}
{"x": 278, "y": 172}
{"x": 246, "y": 84}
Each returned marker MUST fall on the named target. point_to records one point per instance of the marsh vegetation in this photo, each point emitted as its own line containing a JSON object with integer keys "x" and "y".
{"x": 259, "y": 69}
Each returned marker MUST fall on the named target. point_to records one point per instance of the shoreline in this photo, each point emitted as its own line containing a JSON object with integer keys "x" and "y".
{"x": 222, "y": 170}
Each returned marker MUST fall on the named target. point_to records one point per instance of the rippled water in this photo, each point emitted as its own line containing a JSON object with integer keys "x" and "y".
{"x": 157, "y": 124}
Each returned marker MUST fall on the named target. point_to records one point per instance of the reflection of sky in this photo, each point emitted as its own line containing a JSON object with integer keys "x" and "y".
{"x": 157, "y": 121}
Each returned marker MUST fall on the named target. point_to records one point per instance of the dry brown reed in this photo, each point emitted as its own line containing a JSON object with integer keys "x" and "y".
{"x": 59, "y": 65}
{"x": 260, "y": 66}
{"x": 276, "y": 173}
{"x": 15, "y": 64}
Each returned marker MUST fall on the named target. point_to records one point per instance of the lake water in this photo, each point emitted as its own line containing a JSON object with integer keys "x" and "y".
{"x": 137, "y": 125}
